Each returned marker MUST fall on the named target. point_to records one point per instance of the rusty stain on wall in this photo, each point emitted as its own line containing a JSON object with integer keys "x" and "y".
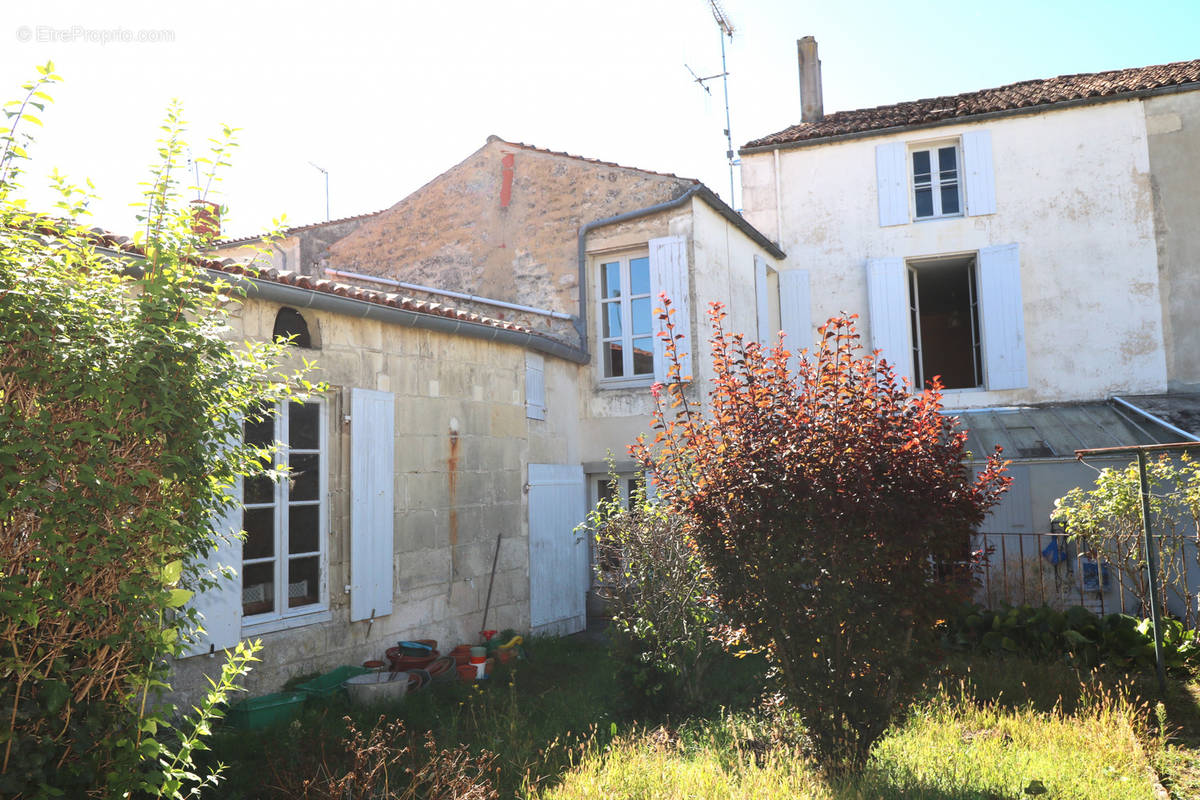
{"x": 452, "y": 481}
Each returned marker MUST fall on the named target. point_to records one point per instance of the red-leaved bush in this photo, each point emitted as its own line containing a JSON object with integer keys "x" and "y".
{"x": 833, "y": 508}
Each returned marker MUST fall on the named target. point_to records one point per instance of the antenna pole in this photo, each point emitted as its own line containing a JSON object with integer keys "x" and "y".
{"x": 728, "y": 135}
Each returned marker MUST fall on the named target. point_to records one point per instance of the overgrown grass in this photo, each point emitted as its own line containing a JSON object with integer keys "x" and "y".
{"x": 560, "y": 729}
{"x": 951, "y": 747}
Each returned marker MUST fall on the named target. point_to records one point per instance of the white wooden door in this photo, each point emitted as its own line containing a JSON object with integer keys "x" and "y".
{"x": 558, "y": 558}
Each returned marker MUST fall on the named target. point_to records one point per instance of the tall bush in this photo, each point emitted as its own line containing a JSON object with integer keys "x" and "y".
{"x": 833, "y": 508}
{"x": 120, "y": 408}
{"x": 1106, "y": 520}
{"x": 659, "y": 598}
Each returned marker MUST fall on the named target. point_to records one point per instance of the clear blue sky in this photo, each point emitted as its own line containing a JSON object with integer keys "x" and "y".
{"x": 386, "y": 95}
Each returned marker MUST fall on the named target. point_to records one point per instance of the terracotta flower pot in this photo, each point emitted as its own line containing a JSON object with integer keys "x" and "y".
{"x": 466, "y": 673}
{"x": 462, "y": 654}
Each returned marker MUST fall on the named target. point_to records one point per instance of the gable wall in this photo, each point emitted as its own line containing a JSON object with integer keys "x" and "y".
{"x": 453, "y": 233}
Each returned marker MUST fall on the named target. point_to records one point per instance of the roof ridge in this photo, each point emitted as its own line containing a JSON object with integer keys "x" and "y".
{"x": 295, "y": 228}
{"x": 597, "y": 161}
{"x": 1024, "y": 94}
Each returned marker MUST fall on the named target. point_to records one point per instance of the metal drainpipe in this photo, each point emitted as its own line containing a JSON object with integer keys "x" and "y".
{"x": 581, "y": 320}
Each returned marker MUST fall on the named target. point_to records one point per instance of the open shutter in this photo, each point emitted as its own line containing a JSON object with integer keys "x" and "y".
{"x": 980, "y": 178}
{"x": 887, "y": 300}
{"x": 372, "y": 511}
{"x": 535, "y": 386}
{"x": 669, "y": 276}
{"x": 1002, "y": 317}
{"x": 761, "y": 303}
{"x": 891, "y": 173}
{"x": 221, "y": 606}
{"x": 795, "y": 312}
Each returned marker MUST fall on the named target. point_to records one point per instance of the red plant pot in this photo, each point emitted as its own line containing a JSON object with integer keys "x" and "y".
{"x": 402, "y": 662}
{"x": 466, "y": 673}
{"x": 462, "y": 654}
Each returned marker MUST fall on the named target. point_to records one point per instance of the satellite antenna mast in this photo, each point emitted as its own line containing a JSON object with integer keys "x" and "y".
{"x": 324, "y": 172}
{"x": 725, "y": 26}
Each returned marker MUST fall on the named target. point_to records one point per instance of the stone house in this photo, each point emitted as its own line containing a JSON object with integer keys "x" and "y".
{"x": 489, "y": 344}
{"x": 1034, "y": 245}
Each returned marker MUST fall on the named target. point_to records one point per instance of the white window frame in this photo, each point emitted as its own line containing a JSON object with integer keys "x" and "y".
{"x": 625, "y": 302}
{"x": 282, "y": 616}
{"x": 935, "y": 177}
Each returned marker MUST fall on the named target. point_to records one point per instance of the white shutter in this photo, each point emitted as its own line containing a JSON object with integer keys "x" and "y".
{"x": 558, "y": 555}
{"x": 535, "y": 386}
{"x": 795, "y": 312}
{"x": 980, "y": 179}
{"x": 891, "y": 173}
{"x": 1002, "y": 317}
{"x": 372, "y": 511}
{"x": 221, "y": 606}
{"x": 763, "y": 309}
{"x": 669, "y": 276}
{"x": 890, "y": 321}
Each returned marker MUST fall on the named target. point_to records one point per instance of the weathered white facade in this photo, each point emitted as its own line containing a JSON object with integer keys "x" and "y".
{"x": 1072, "y": 192}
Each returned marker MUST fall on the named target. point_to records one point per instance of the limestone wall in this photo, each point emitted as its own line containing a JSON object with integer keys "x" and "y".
{"x": 462, "y": 448}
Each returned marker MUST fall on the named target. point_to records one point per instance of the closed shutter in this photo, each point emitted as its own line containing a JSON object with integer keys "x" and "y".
{"x": 795, "y": 312}
{"x": 220, "y": 607}
{"x": 891, "y": 173}
{"x": 669, "y": 276}
{"x": 980, "y": 178}
{"x": 535, "y": 386}
{"x": 372, "y": 510}
{"x": 558, "y": 556}
{"x": 1002, "y": 317}
{"x": 890, "y": 321}
{"x": 761, "y": 301}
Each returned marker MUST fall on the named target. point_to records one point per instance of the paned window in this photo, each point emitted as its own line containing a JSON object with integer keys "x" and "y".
{"x": 626, "y": 317}
{"x": 936, "y": 182}
{"x": 283, "y": 556}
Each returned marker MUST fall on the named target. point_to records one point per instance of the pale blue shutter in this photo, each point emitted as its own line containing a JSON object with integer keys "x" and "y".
{"x": 762, "y": 306}
{"x": 669, "y": 276}
{"x": 558, "y": 554}
{"x": 891, "y": 173}
{"x": 535, "y": 386}
{"x": 795, "y": 311}
{"x": 372, "y": 510}
{"x": 890, "y": 318}
{"x": 980, "y": 181}
{"x": 1002, "y": 317}
{"x": 221, "y": 606}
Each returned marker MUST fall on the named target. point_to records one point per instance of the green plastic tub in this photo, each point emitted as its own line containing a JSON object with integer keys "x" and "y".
{"x": 270, "y": 709}
{"x": 330, "y": 682}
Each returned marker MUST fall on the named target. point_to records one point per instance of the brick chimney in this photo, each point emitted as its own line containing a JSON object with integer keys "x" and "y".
{"x": 812, "y": 107}
{"x": 206, "y": 219}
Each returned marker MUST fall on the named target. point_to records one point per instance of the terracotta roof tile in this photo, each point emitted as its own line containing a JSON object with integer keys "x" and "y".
{"x": 123, "y": 245}
{"x": 1025, "y": 94}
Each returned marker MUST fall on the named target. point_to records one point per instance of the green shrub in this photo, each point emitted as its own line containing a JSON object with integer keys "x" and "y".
{"x": 118, "y": 394}
{"x": 660, "y": 599}
{"x": 1076, "y": 633}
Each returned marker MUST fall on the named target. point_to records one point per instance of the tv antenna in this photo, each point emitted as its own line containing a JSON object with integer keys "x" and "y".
{"x": 324, "y": 172}
{"x": 725, "y": 28}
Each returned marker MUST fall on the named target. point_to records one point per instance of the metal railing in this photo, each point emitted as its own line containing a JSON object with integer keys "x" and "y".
{"x": 1047, "y": 569}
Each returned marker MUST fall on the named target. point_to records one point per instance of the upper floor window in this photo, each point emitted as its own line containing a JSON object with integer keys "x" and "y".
{"x": 933, "y": 180}
{"x": 936, "y": 182}
{"x": 626, "y": 318}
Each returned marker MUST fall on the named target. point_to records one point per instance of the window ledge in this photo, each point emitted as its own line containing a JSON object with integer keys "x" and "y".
{"x": 286, "y": 623}
{"x": 626, "y": 383}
